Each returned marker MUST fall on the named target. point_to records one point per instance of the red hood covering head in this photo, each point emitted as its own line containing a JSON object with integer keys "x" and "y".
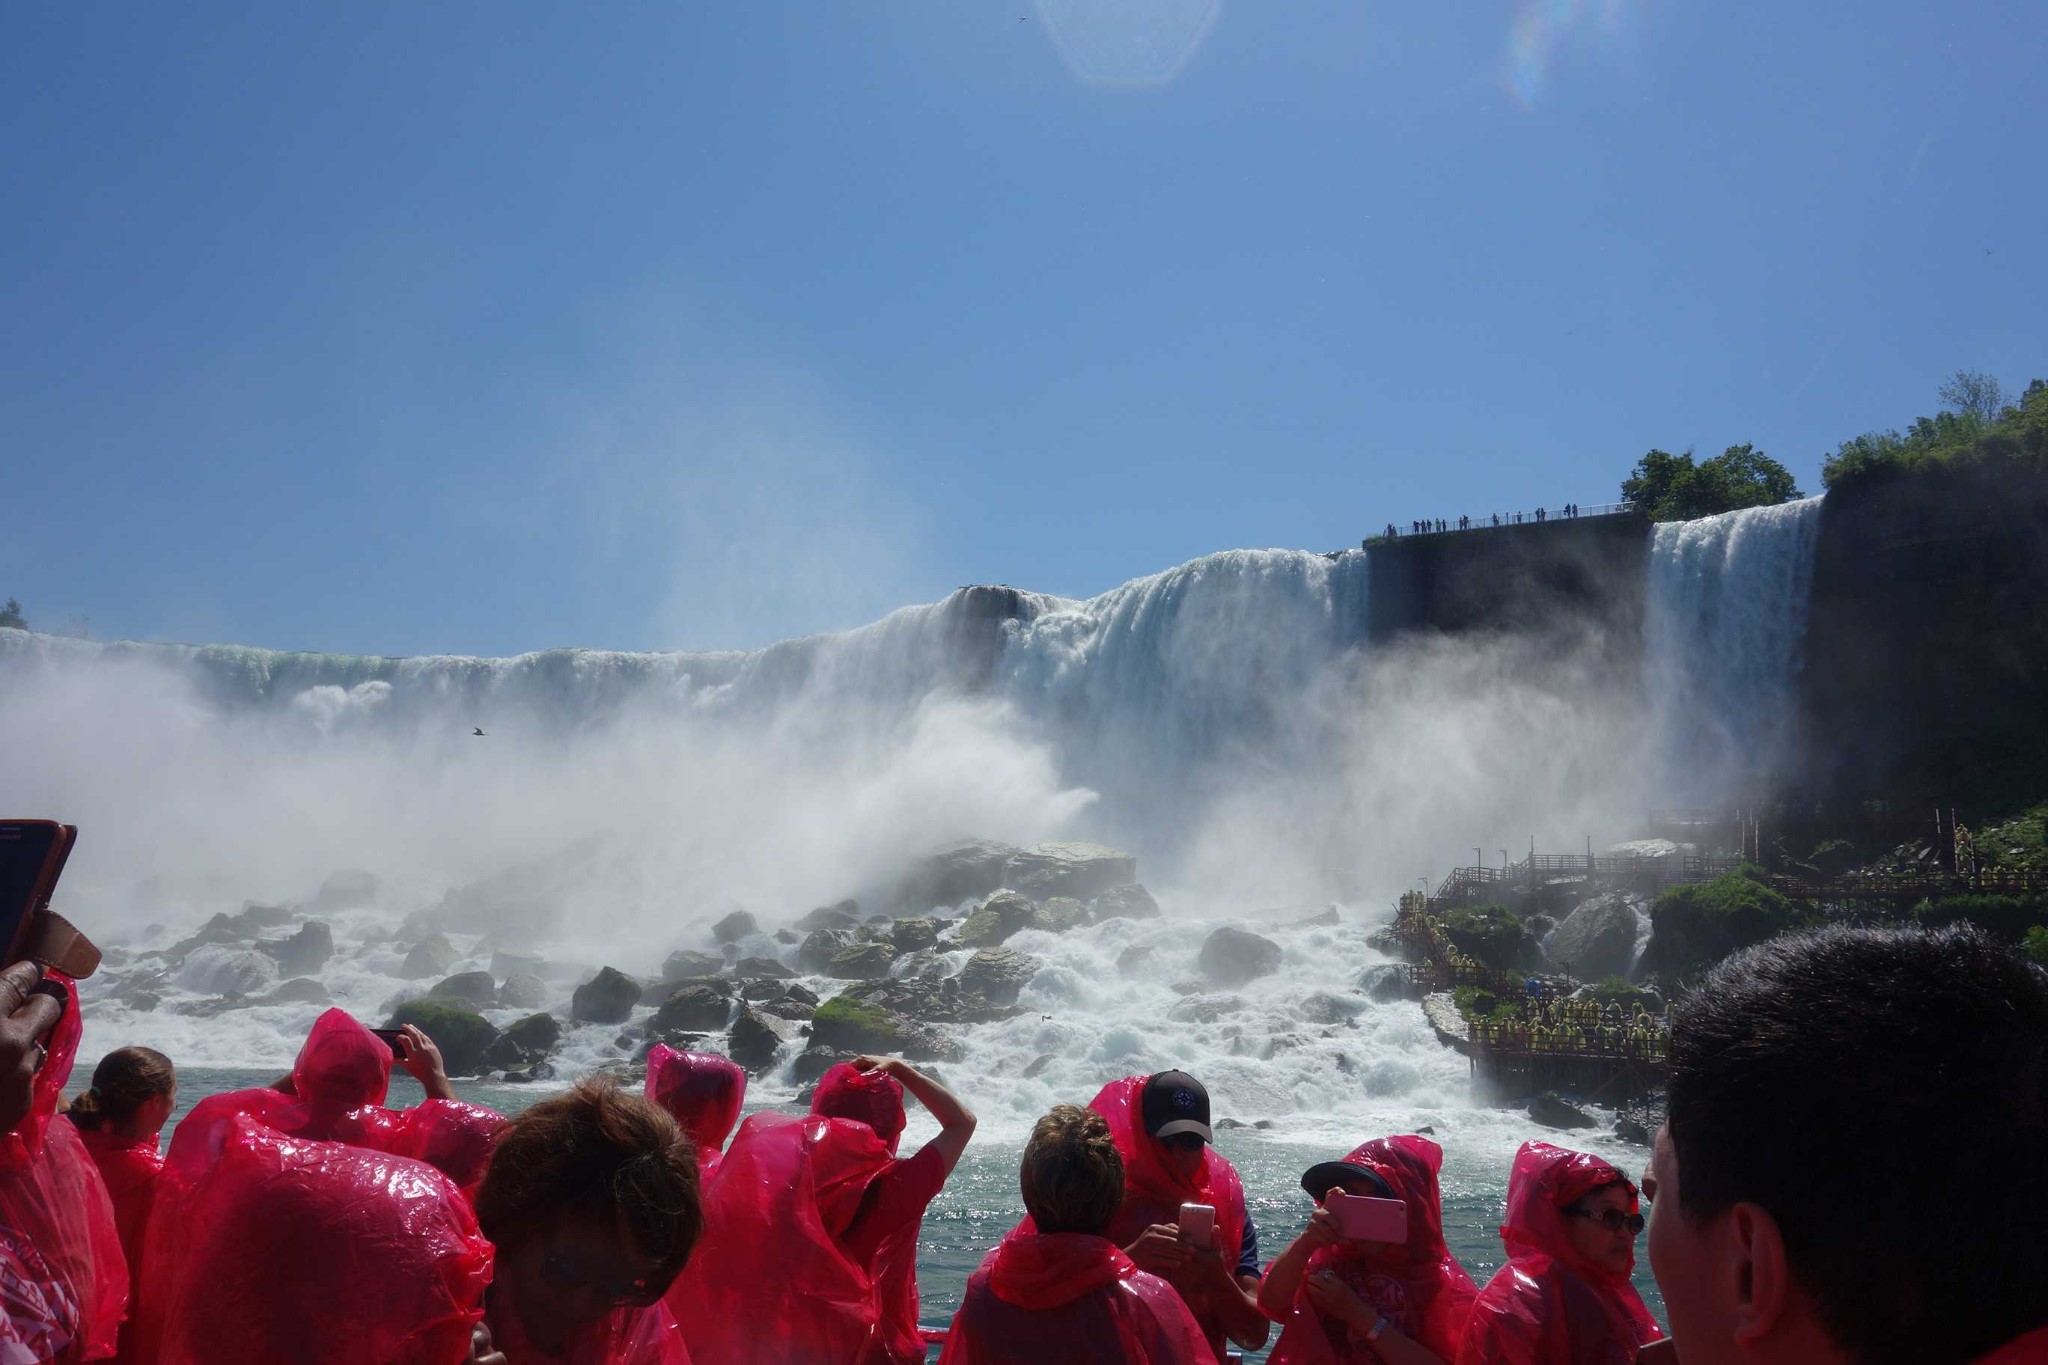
{"x": 703, "y": 1091}
{"x": 1434, "y": 1291}
{"x": 343, "y": 1065}
{"x": 873, "y": 1097}
{"x": 60, "y": 1252}
{"x": 1548, "y": 1303}
{"x": 1045, "y": 1270}
{"x": 1153, "y": 1185}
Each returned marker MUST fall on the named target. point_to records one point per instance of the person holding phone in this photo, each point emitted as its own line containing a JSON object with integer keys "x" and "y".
{"x": 1565, "y": 1293}
{"x": 1344, "y": 1296}
{"x": 1161, "y": 1126}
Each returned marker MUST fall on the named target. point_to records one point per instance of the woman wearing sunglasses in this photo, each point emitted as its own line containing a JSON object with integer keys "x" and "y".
{"x": 1564, "y": 1297}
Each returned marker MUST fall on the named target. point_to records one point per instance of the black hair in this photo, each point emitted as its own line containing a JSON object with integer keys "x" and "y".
{"x": 1883, "y": 1094}
{"x": 126, "y": 1079}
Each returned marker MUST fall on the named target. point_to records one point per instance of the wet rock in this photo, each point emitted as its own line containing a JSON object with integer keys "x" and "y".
{"x": 1080, "y": 870}
{"x": 539, "y": 1034}
{"x": 861, "y": 962}
{"x": 257, "y": 915}
{"x": 844, "y": 915}
{"x": 788, "y": 937}
{"x": 1134, "y": 960}
{"x": 505, "y": 1054}
{"x": 801, "y": 993}
{"x": 305, "y": 952}
{"x": 463, "y": 1035}
{"x": 1631, "y": 1128}
{"x": 753, "y": 1040}
{"x": 300, "y": 990}
{"x": 607, "y": 998}
{"x": 1038, "y": 1066}
{"x": 1204, "y": 1009}
{"x": 433, "y": 955}
{"x": 1598, "y": 939}
{"x": 142, "y": 1002}
{"x": 1327, "y": 918}
{"x": 1062, "y": 913}
{"x": 1232, "y": 956}
{"x": 347, "y": 890}
{"x": 724, "y": 987}
{"x": 696, "y": 1009}
{"x": 761, "y": 967}
{"x": 927, "y": 962}
{"x": 814, "y": 1062}
{"x": 1125, "y": 902}
{"x": 763, "y": 988}
{"x": 849, "y": 1025}
{"x": 506, "y": 964}
{"x": 1229, "y": 1125}
{"x": 225, "y": 969}
{"x": 974, "y": 867}
{"x": 1280, "y": 1043}
{"x": 819, "y": 947}
{"x": 1384, "y": 982}
{"x": 998, "y": 975}
{"x": 914, "y": 934}
{"x": 1551, "y": 1110}
{"x": 789, "y": 1007}
{"x": 1321, "y": 1007}
{"x": 475, "y": 987}
{"x": 523, "y": 991}
{"x": 995, "y": 920}
{"x": 685, "y": 962}
{"x": 734, "y": 927}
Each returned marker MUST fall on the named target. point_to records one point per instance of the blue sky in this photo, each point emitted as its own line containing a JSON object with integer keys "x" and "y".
{"x": 487, "y": 328}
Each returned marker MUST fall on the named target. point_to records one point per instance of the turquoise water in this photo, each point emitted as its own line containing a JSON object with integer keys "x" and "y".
{"x": 980, "y": 1202}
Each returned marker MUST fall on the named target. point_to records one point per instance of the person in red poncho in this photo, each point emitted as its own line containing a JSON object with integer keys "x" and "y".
{"x": 1358, "y": 1302}
{"x": 120, "y": 1120}
{"x": 1161, "y": 1127}
{"x": 1057, "y": 1289}
{"x": 591, "y": 1199}
{"x": 1564, "y": 1297}
{"x": 63, "y": 1281}
{"x": 703, "y": 1092}
{"x": 810, "y": 1248}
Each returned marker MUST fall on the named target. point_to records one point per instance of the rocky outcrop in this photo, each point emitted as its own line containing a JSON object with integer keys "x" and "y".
{"x": 861, "y": 962}
{"x": 1551, "y": 1110}
{"x": 1596, "y": 940}
{"x": 1079, "y": 870}
{"x": 844, "y": 915}
{"x": 848, "y": 1025}
{"x": 463, "y": 1035}
{"x": 914, "y": 934}
{"x": 433, "y": 955}
{"x": 995, "y": 920}
{"x": 1384, "y": 982}
{"x": 814, "y": 956}
{"x": 539, "y": 1034}
{"x": 734, "y": 927}
{"x": 475, "y": 987}
{"x": 751, "y": 967}
{"x": 691, "y": 1009}
{"x": 956, "y": 873}
{"x": 523, "y": 991}
{"x": 225, "y": 969}
{"x": 1125, "y": 902}
{"x": 1062, "y": 913}
{"x": 607, "y": 998}
{"x": 1232, "y": 956}
{"x": 998, "y": 975}
{"x": 754, "y": 1040}
{"x": 305, "y": 952}
{"x": 686, "y": 962}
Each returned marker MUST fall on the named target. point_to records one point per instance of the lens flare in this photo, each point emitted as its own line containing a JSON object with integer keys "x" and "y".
{"x": 1544, "y": 28}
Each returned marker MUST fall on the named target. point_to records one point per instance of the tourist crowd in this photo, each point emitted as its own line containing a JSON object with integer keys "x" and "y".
{"x": 1851, "y": 1170}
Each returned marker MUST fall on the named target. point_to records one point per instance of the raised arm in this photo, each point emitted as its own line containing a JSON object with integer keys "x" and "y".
{"x": 956, "y": 1120}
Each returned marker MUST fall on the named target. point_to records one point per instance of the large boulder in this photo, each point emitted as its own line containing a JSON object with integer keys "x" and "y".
{"x": 844, "y": 915}
{"x": 1125, "y": 902}
{"x": 1231, "y": 956}
{"x": 734, "y": 927}
{"x": 1385, "y": 982}
{"x": 814, "y": 955}
{"x": 685, "y": 962}
{"x": 1135, "y": 960}
{"x": 1062, "y": 913}
{"x": 914, "y": 934}
{"x": 1069, "y": 869}
{"x": 475, "y": 987}
{"x": 861, "y": 962}
{"x": 849, "y": 1026}
{"x": 754, "y": 1039}
{"x": 972, "y": 868}
{"x": 750, "y": 967}
{"x": 814, "y": 1062}
{"x": 995, "y": 919}
{"x": 998, "y": 975}
{"x": 350, "y": 890}
{"x": 304, "y": 953}
{"x": 1551, "y": 1110}
{"x": 505, "y": 963}
{"x": 1598, "y": 939}
{"x": 300, "y": 990}
{"x": 433, "y": 955}
{"x": 463, "y": 1035}
{"x": 607, "y": 998}
{"x": 523, "y": 991}
{"x": 539, "y": 1034}
{"x": 226, "y": 969}
{"x": 691, "y": 1009}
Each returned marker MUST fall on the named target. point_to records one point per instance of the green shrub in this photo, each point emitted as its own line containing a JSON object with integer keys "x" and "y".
{"x": 2006, "y": 917}
{"x": 1692, "y": 927}
{"x": 2035, "y": 945}
{"x": 1491, "y": 933}
{"x": 1478, "y": 1004}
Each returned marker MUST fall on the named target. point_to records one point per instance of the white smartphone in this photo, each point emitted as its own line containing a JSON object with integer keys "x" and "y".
{"x": 1198, "y": 1224}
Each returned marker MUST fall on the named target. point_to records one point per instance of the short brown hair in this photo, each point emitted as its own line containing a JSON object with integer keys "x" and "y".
{"x": 598, "y": 1152}
{"x": 1073, "y": 1176}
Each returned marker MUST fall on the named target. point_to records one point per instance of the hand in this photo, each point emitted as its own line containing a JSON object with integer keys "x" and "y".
{"x": 1159, "y": 1249}
{"x": 1322, "y": 1231}
{"x": 423, "y": 1059}
{"x": 1339, "y": 1300}
{"x": 26, "y": 1014}
{"x": 886, "y": 1065}
{"x": 482, "y": 1350}
{"x": 1210, "y": 1274}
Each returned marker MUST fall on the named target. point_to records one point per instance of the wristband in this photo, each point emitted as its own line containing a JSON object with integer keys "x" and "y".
{"x": 1377, "y": 1328}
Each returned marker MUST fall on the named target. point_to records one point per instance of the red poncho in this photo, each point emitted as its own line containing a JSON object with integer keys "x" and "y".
{"x": 340, "y": 1081}
{"x": 276, "y": 1250}
{"x": 630, "y": 1336}
{"x": 1421, "y": 1287}
{"x": 704, "y": 1092}
{"x": 129, "y": 1166}
{"x": 1549, "y": 1305}
{"x": 769, "y": 1282}
{"x": 1070, "y": 1297}
{"x": 63, "y": 1282}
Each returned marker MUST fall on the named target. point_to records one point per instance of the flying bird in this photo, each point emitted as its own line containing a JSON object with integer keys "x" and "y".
{"x": 478, "y": 731}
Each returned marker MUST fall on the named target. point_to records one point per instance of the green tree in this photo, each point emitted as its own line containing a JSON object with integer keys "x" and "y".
{"x": 10, "y": 615}
{"x": 1976, "y": 424}
{"x": 1674, "y": 488}
{"x": 2036, "y": 944}
{"x": 1974, "y": 395}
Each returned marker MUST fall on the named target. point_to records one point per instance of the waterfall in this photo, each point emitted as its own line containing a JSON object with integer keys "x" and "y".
{"x": 1727, "y": 605}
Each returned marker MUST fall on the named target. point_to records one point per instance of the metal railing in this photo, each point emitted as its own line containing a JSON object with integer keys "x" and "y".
{"x": 1491, "y": 521}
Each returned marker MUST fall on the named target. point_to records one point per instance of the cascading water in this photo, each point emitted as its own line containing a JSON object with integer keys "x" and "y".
{"x": 1726, "y": 619}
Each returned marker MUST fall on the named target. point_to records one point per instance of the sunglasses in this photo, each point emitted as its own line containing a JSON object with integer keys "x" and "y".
{"x": 1184, "y": 1142}
{"x": 629, "y": 1294}
{"x": 1614, "y": 1220}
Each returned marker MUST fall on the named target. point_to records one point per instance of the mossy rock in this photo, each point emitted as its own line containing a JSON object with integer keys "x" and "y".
{"x": 463, "y": 1035}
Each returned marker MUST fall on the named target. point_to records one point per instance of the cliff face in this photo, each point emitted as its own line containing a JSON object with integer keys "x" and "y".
{"x": 1926, "y": 660}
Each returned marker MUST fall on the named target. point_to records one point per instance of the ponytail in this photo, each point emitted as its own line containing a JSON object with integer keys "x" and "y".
{"x": 125, "y": 1080}
{"x": 85, "y": 1111}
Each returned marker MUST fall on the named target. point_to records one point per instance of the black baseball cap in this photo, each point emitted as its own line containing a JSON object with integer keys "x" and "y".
{"x": 1174, "y": 1102}
{"x": 1319, "y": 1179}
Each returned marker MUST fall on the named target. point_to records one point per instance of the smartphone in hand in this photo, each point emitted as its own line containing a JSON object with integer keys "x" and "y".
{"x": 1364, "y": 1219}
{"x": 1198, "y": 1224}
{"x": 394, "y": 1038}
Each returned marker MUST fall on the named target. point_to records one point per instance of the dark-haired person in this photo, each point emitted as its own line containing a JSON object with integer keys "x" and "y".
{"x": 120, "y": 1120}
{"x": 701, "y": 1091}
{"x": 1852, "y": 1166}
{"x": 810, "y": 1252}
{"x": 1056, "y": 1288}
{"x": 1564, "y": 1297}
{"x": 591, "y": 1201}
{"x": 1161, "y": 1127}
{"x": 1359, "y": 1302}
{"x": 63, "y": 1282}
